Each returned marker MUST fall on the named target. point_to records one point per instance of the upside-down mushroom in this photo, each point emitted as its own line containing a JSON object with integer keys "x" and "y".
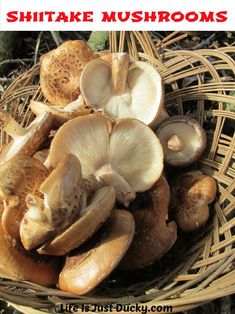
{"x": 25, "y": 141}
{"x": 123, "y": 88}
{"x": 19, "y": 176}
{"x": 84, "y": 271}
{"x": 61, "y": 114}
{"x": 154, "y": 236}
{"x": 191, "y": 193}
{"x": 19, "y": 264}
{"x": 60, "y": 71}
{"x": 126, "y": 154}
{"x": 89, "y": 220}
{"x": 183, "y": 140}
{"x": 58, "y": 207}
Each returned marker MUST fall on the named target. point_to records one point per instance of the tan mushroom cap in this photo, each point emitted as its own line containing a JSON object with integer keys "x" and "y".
{"x": 83, "y": 272}
{"x": 60, "y": 71}
{"x": 58, "y": 207}
{"x": 123, "y": 88}
{"x": 183, "y": 140}
{"x": 61, "y": 114}
{"x": 26, "y": 141}
{"x": 153, "y": 235}
{"x": 90, "y": 219}
{"x": 126, "y": 154}
{"x": 20, "y": 176}
{"x": 19, "y": 264}
{"x": 191, "y": 193}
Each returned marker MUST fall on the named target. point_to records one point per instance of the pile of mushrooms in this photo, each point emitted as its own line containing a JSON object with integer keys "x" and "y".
{"x": 95, "y": 195}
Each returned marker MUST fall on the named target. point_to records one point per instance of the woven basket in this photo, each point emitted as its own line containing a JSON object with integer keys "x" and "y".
{"x": 197, "y": 269}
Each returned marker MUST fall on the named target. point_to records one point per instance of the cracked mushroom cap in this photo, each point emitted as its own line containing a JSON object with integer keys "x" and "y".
{"x": 18, "y": 264}
{"x": 126, "y": 154}
{"x": 83, "y": 272}
{"x": 61, "y": 114}
{"x": 58, "y": 207}
{"x": 90, "y": 219}
{"x": 122, "y": 88}
{"x": 25, "y": 141}
{"x": 154, "y": 236}
{"x": 60, "y": 71}
{"x": 20, "y": 176}
{"x": 192, "y": 192}
{"x": 183, "y": 140}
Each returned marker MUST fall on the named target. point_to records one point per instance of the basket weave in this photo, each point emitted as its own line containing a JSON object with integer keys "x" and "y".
{"x": 197, "y": 83}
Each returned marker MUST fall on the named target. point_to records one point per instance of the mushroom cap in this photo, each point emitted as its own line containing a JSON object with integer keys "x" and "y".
{"x": 189, "y": 132}
{"x": 141, "y": 98}
{"x": 20, "y": 176}
{"x": 153, "y": 235}
{"x": 30, "y": 142}
{"x": 83, "y": 272}
{"x": 62, "y": 200}
{"x": 60, "y": 71}
{"x": 19, "y": 264}
{"x": 90, "y": 219}
{"x": 191, "y": 192}
{"x": 61, "y": 114}
{"x": 129, "y": 146}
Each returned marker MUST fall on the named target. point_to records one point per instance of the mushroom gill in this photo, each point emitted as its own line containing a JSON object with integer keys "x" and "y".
{"x": 113, "y": 153}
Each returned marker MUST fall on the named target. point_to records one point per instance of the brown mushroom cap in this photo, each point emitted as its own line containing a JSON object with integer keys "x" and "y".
{"x": 123, "y": 88}
{"x": 26, "y": 141}
{"x": 60, "y": 71}
{"x": 59, "y": 207}
{"x": 112, "y": 152}
{"x": 61, "y": 114}
{"x": 183, "y": 140}
{"x": 85, "y": 271}
{"x": 19, "y": 264}
{"x": 90, "y": 219}
{"x": 20, "y": 176}
{"x": 191, "y": 192}
{"x": 153, "y": 235}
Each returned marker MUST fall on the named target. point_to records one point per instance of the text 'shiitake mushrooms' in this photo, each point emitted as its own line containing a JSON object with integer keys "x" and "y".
{"x": 61, "y": 114}
{"x": 60, "y": 71}
{"x": 83, "y": 272}
{"x": 19, "y": 264}
{"x": 19, "y": 176}
{"x": 58, "y": 207}
{"x": 89, "y": 220}
{"x": 25, "y": 141}
{"x": 191, "y": 192}
{"x": 126, "y": 154}
{"x": 122, "y": 88}
{"x": 153, "y": 235}
{"x": 183, "y": 140}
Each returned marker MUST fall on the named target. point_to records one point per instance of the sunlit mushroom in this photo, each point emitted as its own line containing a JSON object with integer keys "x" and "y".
{"x": 123, "y": 88}
{"x": 191, "y": 193}
{"x": 89, "y": 220}
{"x": 154, "y": 236}
{"x": 183, "y": 140}
{"x": 19, "y": 176}
{"x": 84, "y": 271}
{"x": 126, "y": 154}
{"x": 25, "y": 141}
{"x": 58, "y": 207}
{"x": 18, "y": 264}
{"x": 60, "y": 71}
{"x": 61, "y": 114}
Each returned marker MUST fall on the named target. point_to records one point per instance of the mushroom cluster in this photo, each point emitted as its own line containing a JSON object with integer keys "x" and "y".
{"x": 76, "y": 204}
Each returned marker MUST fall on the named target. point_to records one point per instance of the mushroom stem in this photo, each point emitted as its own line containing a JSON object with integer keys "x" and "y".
{"x": 108, "y": 175}
{"x": 11, "y": 127}
{"x": 175, "y": 143}
{"x": 120, "y": 66}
